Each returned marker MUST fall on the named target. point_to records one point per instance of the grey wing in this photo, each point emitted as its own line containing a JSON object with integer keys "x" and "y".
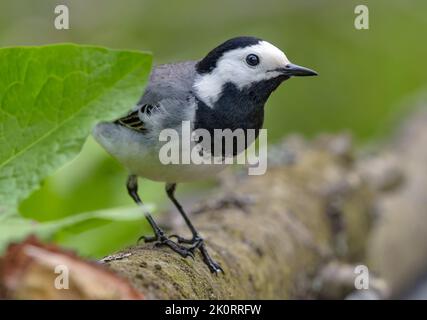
{"x": 169, "y": 81}
{"x": 168, "y": 91}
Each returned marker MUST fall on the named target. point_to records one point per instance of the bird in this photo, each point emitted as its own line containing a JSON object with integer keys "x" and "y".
{"x": 226, "y": 89}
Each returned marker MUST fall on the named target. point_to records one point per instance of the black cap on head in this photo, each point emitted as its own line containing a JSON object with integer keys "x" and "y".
{"x": 208, "y": 63}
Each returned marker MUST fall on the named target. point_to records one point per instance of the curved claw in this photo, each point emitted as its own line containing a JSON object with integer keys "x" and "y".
{"x": 191, "y": 254}
{"x": 217, "y": 269}
{"x": 177, "y": 237}
{"x": 146, "y": 239}
{"x": 214, "y": 267}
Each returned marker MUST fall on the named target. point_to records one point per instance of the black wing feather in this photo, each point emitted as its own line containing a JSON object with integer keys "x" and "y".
{"x": 133, "y": 120}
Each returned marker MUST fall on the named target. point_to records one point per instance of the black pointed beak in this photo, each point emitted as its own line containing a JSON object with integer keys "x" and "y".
{"x": 297, "y": 71}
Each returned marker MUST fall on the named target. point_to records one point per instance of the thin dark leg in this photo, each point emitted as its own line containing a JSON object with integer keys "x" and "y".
{"x": 196, "y": 241}
{"x": 159, "y": 235}
{"x": 170, "y": 190}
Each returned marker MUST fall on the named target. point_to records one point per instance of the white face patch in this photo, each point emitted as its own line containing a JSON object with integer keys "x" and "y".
{"x": 232, "y": 67}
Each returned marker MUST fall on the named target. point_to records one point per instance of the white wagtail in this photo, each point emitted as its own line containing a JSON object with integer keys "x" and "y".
{"x": 227, "y": 89}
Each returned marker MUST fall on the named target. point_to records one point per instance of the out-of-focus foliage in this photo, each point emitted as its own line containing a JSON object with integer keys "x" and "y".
{"x": 17, "y": 228}
{"x": 363, "y": 76}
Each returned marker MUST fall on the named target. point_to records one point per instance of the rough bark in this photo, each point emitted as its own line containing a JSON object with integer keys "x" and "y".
{"x": 270, "y": 233}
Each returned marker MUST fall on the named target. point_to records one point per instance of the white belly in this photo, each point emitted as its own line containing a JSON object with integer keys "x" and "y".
{"x": 155, "y": 170}
{"x": 141, "y": 156}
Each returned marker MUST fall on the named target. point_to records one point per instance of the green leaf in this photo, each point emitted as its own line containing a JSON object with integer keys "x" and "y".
{"x": 15, "y": 229}
{"x": 50, "y": 98}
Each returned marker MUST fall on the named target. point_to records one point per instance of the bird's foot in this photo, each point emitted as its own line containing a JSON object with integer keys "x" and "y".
{"x": 197, "y": 242}
{"x": 213, "y": 266}
{"x": 194, "y": 241}
{"x": 162, "y": 240}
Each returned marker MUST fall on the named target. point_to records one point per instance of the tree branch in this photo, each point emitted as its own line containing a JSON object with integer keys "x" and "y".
{"x": 300, "y": 216}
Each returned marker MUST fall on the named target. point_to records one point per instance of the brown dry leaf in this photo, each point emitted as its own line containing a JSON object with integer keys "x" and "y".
{"x": 34, "y": 270}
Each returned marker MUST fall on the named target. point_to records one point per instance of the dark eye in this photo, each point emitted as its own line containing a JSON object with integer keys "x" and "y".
{"x": 252, "y": 60}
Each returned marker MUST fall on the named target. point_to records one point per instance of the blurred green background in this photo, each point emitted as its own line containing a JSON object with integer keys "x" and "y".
{"x": 365, "y": 78}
